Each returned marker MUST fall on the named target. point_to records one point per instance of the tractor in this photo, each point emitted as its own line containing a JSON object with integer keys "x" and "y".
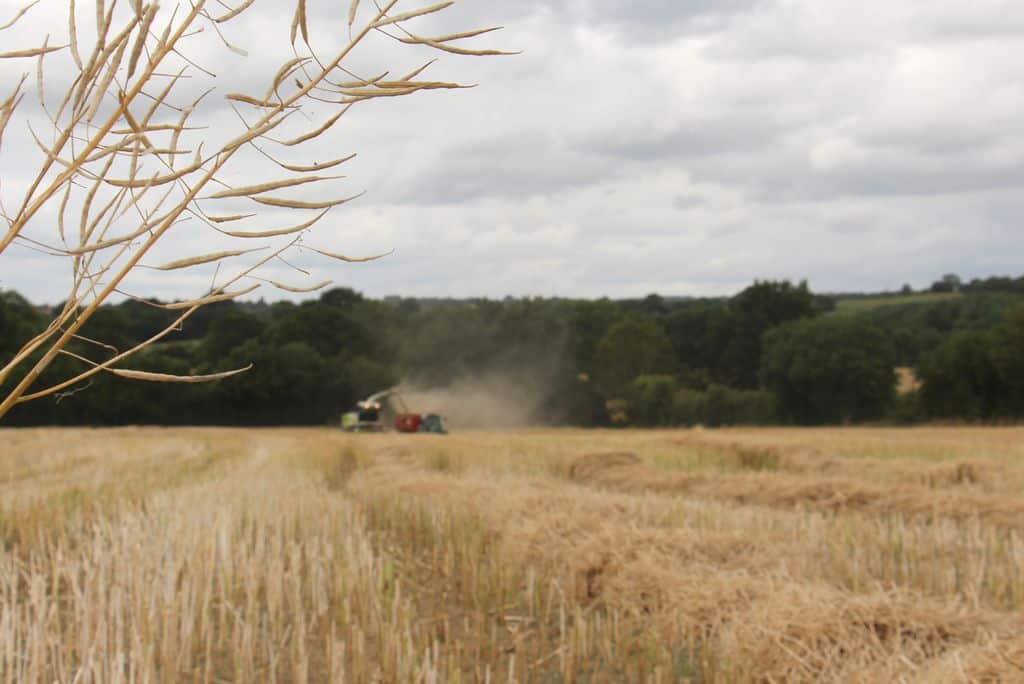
{"x": 387, "y": 410}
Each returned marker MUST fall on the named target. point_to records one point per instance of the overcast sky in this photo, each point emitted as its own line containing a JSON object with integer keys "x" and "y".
{"x": 684, "y": 147}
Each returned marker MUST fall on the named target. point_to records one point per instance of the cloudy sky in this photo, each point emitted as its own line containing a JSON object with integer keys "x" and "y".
{"x": 684, "y": 147}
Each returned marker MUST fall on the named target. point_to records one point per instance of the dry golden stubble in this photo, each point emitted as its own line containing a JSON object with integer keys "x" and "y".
{"x": 492, "y": 567}
{"x": 793, "y": 628}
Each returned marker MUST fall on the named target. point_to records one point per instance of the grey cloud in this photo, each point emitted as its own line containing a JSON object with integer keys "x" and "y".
{"x": 638, "y": 20}
{"x": 528, "y": 164}
{"x": 989, "y": 19}
{"x": 846, "y": 227}
{"x": 736, "y": 132}
{"x": 684, "y": 202}
{"x": 679, "y": 147}
{"x": 882, "y": 179}
{"x": 664, "y": 19}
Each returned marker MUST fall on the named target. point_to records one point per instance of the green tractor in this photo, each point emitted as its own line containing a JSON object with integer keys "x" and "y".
{"x": 387, "y": 410}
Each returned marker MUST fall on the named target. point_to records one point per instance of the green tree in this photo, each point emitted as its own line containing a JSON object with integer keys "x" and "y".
{"x": 960, "y": 378}
{"x": 326, "y": 329}
{"x": 698, "y": 334}
{"x": 110, "y": 324}
{"x": 829, "y": 370}
{"x": 294, "y": 386}
{"x": 589, "y": 322}
{"x": 757, "y": 309}
{"x": 631, "y": 348}
{"x": 724, "y": 338}
{"x": 654, "y": 305}
{"x": 652, "y": 399}
{"x": 1008, "y": 359}
{"x": 342, "y": 297}
{"x": 145, "y": 320}
{"x": 233, "y": 329}
{"x": 19, "y": 321}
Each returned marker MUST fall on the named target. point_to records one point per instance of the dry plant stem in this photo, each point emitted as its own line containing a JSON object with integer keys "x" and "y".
{"x": 85, "y": 98}
{"x": 109, "y": 363}
{"x": 29, "y": 210}
{"x": 170, "y": 219}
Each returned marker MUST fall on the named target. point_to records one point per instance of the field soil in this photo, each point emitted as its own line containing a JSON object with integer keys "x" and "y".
{"x": 310, "y": 555}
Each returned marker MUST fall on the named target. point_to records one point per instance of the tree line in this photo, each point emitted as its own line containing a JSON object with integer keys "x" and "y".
{"x": 773, "y": 353}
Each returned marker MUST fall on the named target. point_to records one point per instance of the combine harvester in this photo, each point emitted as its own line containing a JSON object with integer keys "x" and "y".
{"x": 387, "y": 410}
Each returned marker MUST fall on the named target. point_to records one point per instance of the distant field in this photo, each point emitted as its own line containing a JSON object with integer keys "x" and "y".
{"x": 786, "y": 555}
{"x": 857, "y": 304}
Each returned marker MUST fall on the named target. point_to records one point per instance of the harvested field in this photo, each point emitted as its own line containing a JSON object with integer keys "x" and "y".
{"x": 854, "y": 555}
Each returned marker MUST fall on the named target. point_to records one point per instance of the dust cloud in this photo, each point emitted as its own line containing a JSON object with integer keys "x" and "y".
{"x": 501, "y": 399}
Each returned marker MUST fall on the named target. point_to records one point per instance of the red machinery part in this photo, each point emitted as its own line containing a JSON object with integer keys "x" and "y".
{"x": 408, "y": 422}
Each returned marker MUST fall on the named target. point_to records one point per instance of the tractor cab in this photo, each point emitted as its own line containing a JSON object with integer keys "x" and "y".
{"x": 365, "y": 417}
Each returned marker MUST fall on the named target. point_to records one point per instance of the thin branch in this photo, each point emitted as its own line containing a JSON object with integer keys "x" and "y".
{"x": 19, "y": 15}
{"x": 100, "y": 150}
